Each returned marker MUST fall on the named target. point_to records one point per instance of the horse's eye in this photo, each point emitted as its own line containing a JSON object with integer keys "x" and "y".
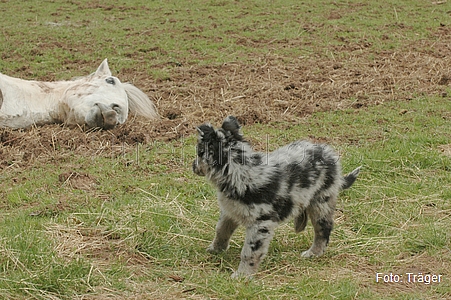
{"x": 116, "y": 107}
{"x": 110, "y": 80}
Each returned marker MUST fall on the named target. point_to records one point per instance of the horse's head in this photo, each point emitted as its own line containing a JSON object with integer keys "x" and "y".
{"x": 98, "y": 100}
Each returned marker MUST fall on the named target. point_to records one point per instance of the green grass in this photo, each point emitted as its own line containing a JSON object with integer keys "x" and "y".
{"x": 149, "y": 221}
{"x": 141, "y": 229}
{"x": 150, "y": 35}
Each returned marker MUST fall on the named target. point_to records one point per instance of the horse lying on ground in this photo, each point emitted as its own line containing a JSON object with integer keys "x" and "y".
{"x": 97, "y": 100}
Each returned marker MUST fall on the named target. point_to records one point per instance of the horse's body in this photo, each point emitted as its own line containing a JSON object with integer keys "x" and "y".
{"x": 97, "y": 100}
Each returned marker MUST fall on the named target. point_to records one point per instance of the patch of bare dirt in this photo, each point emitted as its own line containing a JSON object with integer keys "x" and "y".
{"x": 445, "y": 149}
{"x": 51, "y": 143}
{"x": 272, "y": 88}
{"x": 277, "y": 89}
{"x": 79, "y": 181}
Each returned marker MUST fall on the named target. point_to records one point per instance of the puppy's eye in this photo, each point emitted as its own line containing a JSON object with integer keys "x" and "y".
{"x": 200, "y": 150}
{"x": 110, "y": 80}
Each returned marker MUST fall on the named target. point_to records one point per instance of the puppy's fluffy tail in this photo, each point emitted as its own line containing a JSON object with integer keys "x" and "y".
{"x": 349, "y": 179}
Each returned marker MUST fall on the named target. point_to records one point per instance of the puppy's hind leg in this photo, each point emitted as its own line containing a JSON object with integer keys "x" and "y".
{"x": 255, "y": 248}
{"x": 300, "y": 221}
{"x": 224, "y": 230}
{"x": 322, "y": 218}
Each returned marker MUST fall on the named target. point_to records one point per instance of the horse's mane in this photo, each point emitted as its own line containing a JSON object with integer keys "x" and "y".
{"x": 139, "y": 103}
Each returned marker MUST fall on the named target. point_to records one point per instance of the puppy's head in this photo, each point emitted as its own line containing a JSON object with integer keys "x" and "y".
{"x": 213, "y": 145}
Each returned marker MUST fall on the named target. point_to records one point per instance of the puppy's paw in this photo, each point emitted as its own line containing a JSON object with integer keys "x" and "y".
{"x": 309, "y": 254}
{"x": 237, "y": 275}
{"x": 214, "y": 250}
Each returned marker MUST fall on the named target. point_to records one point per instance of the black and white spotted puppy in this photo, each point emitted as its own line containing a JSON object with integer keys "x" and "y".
{"x": 259, "y": 191}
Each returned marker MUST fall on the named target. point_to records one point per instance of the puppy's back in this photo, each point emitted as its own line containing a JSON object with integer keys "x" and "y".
{"x": 304, "y": 152}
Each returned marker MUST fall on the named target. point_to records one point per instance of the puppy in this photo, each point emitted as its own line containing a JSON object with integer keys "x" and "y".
{"x": 259, "y": 191}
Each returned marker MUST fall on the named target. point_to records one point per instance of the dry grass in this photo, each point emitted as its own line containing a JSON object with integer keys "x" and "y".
{"x": 118, "y": 214}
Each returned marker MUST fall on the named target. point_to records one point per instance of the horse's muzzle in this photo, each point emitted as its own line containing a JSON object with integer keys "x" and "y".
{"x": 103, "y": 116}
{"x": 109, "y": 119}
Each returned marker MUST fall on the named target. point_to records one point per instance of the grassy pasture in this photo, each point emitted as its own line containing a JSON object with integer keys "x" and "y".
{"x": 86, "y": 219}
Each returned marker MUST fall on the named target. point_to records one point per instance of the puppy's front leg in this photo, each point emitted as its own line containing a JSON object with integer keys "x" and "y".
{"x": 255, "y": 248}
{"x": 224, "y": 230}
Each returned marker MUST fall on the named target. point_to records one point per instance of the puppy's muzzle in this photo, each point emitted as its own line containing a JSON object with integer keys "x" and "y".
{"x": 199, "y": 167}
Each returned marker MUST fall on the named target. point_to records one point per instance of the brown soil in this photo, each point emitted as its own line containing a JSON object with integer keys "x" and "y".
{"x": 274, "y": 89}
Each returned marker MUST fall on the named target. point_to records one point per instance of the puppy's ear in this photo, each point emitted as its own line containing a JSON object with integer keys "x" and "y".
{"x": 231, "y": 124}
{"x": 199, "y": 130}
{"x": 206, "y": 131}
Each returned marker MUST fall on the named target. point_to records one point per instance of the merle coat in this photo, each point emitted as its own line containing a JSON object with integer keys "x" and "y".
{"x": 259, "y": 190}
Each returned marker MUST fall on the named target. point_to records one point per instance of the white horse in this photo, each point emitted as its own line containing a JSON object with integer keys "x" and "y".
{"x": 97, "y": 100}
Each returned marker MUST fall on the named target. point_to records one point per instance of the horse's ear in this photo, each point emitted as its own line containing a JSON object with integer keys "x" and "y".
{"x": 103, "y": 69}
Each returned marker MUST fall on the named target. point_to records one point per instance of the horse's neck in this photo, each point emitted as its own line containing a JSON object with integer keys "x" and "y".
{"x": 22, "y": 97}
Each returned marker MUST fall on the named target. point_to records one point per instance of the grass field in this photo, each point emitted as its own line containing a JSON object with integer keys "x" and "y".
{"x": 94, "y": 215}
